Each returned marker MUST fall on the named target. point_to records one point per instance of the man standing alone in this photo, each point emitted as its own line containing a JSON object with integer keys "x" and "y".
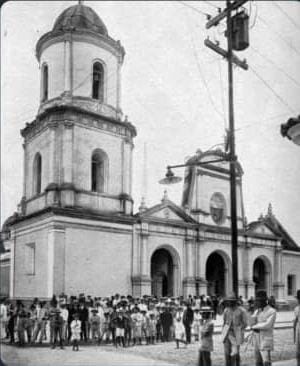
{"x": 234, "y": 324}
{"x": 188, "y": 318}
{"x": 264, "y": 319}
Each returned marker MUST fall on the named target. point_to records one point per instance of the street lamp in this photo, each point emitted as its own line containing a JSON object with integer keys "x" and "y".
{"x": 291, "y": 130}
{"x": 171, "y": 178}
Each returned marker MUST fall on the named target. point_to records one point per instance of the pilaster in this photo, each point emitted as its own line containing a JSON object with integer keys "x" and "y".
{"x": 56, "y": 260}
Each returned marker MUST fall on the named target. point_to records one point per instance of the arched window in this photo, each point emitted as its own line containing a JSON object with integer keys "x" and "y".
{"x": 99, "y": 171}
{"x": 44, "y": 82}
{"x": 98, "y": 82}
{"x": 37, "y": 174}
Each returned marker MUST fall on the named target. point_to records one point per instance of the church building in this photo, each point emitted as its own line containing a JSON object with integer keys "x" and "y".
{"x": 75, "y": 230}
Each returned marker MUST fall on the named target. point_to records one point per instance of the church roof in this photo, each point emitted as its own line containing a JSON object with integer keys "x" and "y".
{"x": 80, "y": 17}
{"x": 272, "y": 223}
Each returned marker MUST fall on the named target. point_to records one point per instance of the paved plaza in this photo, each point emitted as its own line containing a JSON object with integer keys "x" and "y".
{"x": 161, "y": 354}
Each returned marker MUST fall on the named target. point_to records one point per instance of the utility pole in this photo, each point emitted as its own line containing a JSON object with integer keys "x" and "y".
{"x": 231, "y": 58}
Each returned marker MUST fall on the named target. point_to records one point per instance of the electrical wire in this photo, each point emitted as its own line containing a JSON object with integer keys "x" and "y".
{"x": 271, "y": 89}
{"x": 211, "y": 4}
{"x": 255, "y": 16}
{"x": 279, "y": 35}
{"x": 222, "y": 93}
{"x": 286, "y": 15}
{"x": 273, "y": 63}
{"x": 195, "y": 9}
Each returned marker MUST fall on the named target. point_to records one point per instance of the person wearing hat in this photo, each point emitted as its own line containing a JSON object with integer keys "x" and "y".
{"x": 262, "y": 324}
{"x": 95, "y": 325}
{"x": 234, "y": 324}
{"x": 75, "y": 331}
{"x": 297, "y": 328}
{"x": 206, "y": 336}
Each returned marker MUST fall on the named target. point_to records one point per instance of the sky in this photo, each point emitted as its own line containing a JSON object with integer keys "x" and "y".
{"x": 174, "y": 90}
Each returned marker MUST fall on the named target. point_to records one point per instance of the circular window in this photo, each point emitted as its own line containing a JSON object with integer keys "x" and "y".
{"x": 218, "y": 208}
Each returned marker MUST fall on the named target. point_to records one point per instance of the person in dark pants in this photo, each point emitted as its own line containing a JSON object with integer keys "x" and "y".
{"x": 166, "y": 320}
{"x": 188, "y": 318}
{"x": 12, "y": 317}
{"x": 83, "y": 317}
{"x": 57, "y": 325}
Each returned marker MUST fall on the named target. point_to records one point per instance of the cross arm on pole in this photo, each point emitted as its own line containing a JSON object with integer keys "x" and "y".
{"x": 242, "y": 64}
{"x": 215, "y": 21}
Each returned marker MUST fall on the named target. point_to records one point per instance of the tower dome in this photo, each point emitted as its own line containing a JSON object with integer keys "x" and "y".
{"x": 79, "y": 17}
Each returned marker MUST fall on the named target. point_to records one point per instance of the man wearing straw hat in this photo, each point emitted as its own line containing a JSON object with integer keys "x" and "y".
{"x": 234, "y": 324}
{"x": 297, "y": 328}
{"x": 264, "y": 319}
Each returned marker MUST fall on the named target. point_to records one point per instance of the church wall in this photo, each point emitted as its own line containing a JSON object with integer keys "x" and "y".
{"x": 54, "y": 57}
{"x": 291, "y": 266}
{"x": 84, "y": 54}
{"x": 25, "y": 284}
{"x": 40, "y": 144}
{"x": 98, "y": 262}
{"x": 86, "y": 141}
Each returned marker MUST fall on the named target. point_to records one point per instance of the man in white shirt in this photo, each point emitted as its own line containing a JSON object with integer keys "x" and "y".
{"x": 263, "y": 321}
{"x": 3, "y": 319}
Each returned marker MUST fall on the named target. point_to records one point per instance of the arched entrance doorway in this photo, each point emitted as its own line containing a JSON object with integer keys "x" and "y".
{"x": 261, "y": 274}
{"x": 216, "y": 275}
{"x": 162, "y": 273}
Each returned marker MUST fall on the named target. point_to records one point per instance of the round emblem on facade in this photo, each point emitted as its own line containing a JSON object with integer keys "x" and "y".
{"x": 218, "y": 208}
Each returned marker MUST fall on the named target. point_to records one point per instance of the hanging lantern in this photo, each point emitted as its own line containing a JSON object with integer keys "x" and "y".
{"x": 240, "y": 31}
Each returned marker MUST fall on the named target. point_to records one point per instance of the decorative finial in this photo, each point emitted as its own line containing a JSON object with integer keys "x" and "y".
{"x": 143, "y": 207}
{"x": 80, "y": 2}
{"x": 165, "y": 196}
{"x": 261, "y": 217}
{"x": 126, "y": 119}
{"x": 270, "y": 210}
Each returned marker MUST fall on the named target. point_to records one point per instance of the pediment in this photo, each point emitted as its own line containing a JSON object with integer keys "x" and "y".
{"x": 168, "y": 212}
{"x": 260, "y": 229}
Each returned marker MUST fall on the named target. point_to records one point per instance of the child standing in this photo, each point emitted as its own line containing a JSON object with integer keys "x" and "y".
{"x": 179, "y": 331}
{"x": 75, "y": 330}
{"x": 206, "y": 337}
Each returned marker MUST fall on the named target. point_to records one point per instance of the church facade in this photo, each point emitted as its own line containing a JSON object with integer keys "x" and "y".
{"x": 75, "y": 230}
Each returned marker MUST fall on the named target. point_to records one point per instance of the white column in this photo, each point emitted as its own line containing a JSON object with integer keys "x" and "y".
{"x": 50, "y": 256}
{"x": 24, "y": 169}
{"x": 12, "y": 266}
{"x": 68, "y": 152}
{"x": 67, "y": 67}
{"x": 144, "y": 254}
{"x": 52, "y": 153}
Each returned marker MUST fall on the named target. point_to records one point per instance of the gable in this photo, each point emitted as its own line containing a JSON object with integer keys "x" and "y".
{"x": 167, "y": 211}
{"x": 261, "y": 229}
{"x": 168, "y": 214}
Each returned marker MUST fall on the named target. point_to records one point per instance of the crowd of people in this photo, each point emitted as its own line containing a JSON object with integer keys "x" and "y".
{"x": 126, "y": 321}
{"x": 120, "y": 320}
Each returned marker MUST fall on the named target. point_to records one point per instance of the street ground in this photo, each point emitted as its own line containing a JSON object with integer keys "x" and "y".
{"x": 162, "y": 354}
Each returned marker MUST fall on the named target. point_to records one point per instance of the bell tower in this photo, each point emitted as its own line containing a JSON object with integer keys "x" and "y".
{"x": 78, "y": 150}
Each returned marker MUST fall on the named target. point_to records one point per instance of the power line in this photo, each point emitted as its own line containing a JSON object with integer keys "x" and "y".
{"x": 278, "y": 67}
{"x": 193, "y": 8}
{"x": 211, "y": 4}
{"x": 272, "y": 90}
{"x": 278, "y": 35}
{"x": 222, "y": 93}
{"x": 287, "y": 15}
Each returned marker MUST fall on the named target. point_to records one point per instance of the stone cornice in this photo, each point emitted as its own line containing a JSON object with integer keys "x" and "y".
{"x": 79, "y": 117}
{"x": 80, "y": 35}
